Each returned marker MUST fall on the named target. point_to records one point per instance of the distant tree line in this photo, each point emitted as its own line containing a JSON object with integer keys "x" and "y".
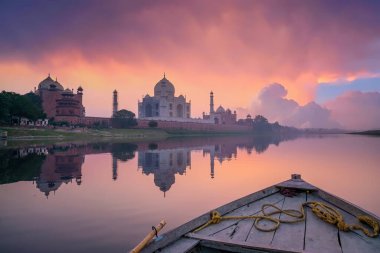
{"x": 16, "y": 105}
{"x": 261, "y": 126}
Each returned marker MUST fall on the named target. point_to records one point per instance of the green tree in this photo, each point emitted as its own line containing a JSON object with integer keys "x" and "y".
{"x": 123, "y": 119}
{"x": 16, "y": 105}
{"x": 124, "y": 114}
{"x": 5, "y": 103}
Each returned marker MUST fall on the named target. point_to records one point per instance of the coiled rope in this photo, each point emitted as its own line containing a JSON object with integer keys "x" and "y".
{"x": 321, "y": 210}
{"x": 299, "y": 215}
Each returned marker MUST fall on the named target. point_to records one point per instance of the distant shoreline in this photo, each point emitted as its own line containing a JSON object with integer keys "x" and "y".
{"x": 369, "y": 132}
{"x": 23, "y": 135}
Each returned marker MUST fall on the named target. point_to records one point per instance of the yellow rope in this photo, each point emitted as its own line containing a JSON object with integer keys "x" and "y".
{"x": 299, "y": 215}
{"x": 332, "y": 216}
{"x": 321, "y": 210}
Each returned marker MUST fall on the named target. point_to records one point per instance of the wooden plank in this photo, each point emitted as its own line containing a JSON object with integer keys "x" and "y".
{"x": 228, "y": 232}
{"x": 319, "y": 235}
{"x": 345, "y": 205}
{"x": 290, "y": 236}
{"x": 241, "y": 229}
{"x": 249, "y": 209}
{"x": 176, "y": 233}
{"x": 233, "y": 245}
{"x": 183, "y": 245}
{"x": 265, "y": 238}
{"x": 356, "y": 241}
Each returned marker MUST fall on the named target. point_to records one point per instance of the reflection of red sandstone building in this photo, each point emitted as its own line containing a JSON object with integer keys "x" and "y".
{"x": 59, "y": 168}
{"x": 61, "y": 104}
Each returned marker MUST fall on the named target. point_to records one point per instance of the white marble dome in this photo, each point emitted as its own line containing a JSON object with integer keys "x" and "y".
{"x": 164, "y": 88}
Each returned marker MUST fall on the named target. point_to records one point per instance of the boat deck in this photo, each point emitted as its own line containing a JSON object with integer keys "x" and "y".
{"x": 310, "y": 235}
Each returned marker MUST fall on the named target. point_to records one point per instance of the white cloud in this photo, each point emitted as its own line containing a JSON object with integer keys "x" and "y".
{"x": 273, "y": 104}
{"x": 312, "y": 115}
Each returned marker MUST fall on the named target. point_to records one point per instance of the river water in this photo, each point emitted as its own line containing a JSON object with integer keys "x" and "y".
{"x": 97, "y": 197}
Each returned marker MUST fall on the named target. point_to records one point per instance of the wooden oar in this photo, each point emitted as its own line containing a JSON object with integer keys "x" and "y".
{"x": 149, "y": 237}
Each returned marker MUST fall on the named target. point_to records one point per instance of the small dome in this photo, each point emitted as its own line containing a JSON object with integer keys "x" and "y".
{"x": 67, "y": 92}
{"x": 164, "y": 88}
{"x": 220, "y": 109}
{"x": 48, "y": 82}
{"x": 80, "y": 88}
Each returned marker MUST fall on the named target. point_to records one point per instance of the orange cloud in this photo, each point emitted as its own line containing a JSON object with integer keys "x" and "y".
{"x": 233, "y": 48}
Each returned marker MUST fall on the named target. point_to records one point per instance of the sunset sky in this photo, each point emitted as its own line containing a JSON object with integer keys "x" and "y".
{"x": 302, "y": 63}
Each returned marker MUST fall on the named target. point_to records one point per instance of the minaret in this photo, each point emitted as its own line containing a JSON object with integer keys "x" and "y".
{"x": 211, "y": 102}
{"x": 115, "y": 104}
{"x": 80, "y": 93}
{"x": 212, "y": 161}
{"x": 114, "y": 168}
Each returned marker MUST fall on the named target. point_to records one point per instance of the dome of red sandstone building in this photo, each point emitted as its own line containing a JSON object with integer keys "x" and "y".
{"x": 67, "y": 92}
{"x": 48, "y": 82}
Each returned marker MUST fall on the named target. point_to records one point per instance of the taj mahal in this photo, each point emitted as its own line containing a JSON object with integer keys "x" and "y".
{"x": 164, "y": 105}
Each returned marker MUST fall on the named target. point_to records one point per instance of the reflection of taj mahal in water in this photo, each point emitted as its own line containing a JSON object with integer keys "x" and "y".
{"x": 165, "y": 163}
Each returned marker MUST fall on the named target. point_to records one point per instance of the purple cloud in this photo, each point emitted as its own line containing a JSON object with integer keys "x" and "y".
{"x": 356, "y": 110}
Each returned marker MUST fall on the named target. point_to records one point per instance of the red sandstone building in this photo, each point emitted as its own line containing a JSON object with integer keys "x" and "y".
{"x": 61, "y": 104}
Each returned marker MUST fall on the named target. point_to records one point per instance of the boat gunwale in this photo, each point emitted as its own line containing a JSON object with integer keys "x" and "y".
{"x": 345, "y": 205}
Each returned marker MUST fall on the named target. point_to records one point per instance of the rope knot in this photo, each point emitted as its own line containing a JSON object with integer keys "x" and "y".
{"x": 215, "y": 217}
{"x": 343, "y": 226}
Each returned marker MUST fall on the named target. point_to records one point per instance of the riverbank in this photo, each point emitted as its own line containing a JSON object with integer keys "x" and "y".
{"x": 21, "y": 136}
{"x": 48, "y": 134}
